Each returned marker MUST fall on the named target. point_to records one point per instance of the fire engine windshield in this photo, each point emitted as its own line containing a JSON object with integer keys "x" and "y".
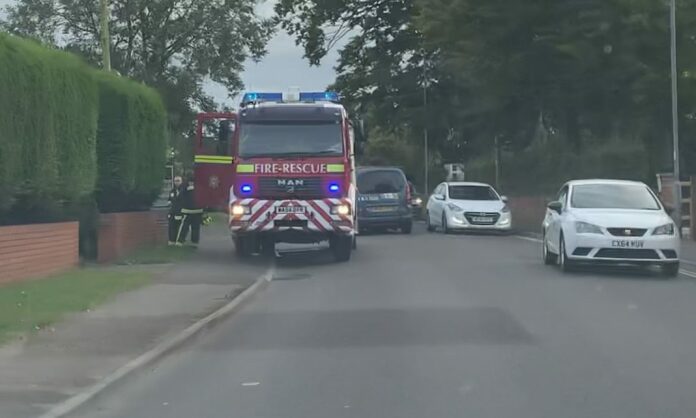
{"x": 284, "y": 139}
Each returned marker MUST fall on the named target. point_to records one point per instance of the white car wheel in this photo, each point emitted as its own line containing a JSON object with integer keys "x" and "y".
{"x": 548, "y": 257}
{"x": 428, "y": 223}
{"x": 563, "y": 261}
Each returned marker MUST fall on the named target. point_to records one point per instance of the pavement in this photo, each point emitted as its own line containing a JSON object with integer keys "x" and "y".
{"x": 69, "y": 357}
{"x": 432, "y": 325}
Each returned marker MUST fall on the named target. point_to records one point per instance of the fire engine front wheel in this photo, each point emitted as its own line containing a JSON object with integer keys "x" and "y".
{"x": 244, "y": 246}
{"x": 341, "y": 246}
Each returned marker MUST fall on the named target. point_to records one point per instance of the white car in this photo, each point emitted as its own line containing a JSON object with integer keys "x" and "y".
{"x": 465, "y": 206}
{"x": 609, "y": 221}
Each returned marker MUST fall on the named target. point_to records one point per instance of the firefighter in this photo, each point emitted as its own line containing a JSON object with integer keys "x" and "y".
{"x": 174, "y": 217}
{"x": 192, "y": 216}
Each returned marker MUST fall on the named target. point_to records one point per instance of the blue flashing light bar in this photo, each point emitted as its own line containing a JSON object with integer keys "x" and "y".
{"x": 329, "y": 96}
{"x": 326, "y": 96}
{"x": 262, "y": 97}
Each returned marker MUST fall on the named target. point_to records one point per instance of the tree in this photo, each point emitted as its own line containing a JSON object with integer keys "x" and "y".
{"x": 172, "y": 45}
{"x": 383, "y": 66}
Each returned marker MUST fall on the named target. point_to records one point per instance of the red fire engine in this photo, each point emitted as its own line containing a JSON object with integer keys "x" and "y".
{"x": 284, "y": 168}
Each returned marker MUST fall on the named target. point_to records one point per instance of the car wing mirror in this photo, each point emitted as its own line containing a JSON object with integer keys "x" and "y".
{"x": 439, "y": 197}
{"x": 556, "y": 206}
{"x": 504, "y": 199}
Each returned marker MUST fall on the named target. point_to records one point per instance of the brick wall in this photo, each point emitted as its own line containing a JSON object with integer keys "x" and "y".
{"x": 28, "y": 251}
{"x": 528, "y": 212}
{"x": 122, "y": 233}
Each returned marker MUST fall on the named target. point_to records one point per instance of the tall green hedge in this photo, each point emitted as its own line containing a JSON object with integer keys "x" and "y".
{"x": 543, "y": 168}
{"x": 48, "y": 124}
{"x": 131, "y": 144}
{"x": 69, "y": 133}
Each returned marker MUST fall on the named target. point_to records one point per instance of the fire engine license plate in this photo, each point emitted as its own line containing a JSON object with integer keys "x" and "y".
{"x": 482, "y": 219}
{"x": 381, "y": 209}
{"x": 290, "y": 209}
{"x": 623, "y": 243}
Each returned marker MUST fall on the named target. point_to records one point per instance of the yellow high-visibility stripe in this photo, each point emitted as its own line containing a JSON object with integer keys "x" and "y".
{"x": 335, "y": 168}
{"x": 212, "y": 162}
{"x": 216, "y": 157}
{"x": 245, "y": 168}
{"x": 213, "y": 159}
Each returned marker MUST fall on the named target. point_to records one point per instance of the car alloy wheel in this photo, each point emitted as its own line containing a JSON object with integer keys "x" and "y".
{"x": 428, "y": 225}
{"x": 565, "y": 264}
{"x": 445, "y": 228}
{"x": 548, "y": 257}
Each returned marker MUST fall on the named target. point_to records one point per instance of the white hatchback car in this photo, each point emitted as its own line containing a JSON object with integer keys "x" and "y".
{"x": 609, "y": 221}
{"x": 466, "y": 206}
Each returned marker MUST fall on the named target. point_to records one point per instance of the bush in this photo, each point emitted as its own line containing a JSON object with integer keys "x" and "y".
{"x": 131, "y": 144}
{"x": 48, "y": 115}
{"x": 542, "y": 169}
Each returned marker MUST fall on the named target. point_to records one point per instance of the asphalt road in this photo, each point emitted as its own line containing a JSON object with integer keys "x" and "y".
{"x": 434, "y": 326}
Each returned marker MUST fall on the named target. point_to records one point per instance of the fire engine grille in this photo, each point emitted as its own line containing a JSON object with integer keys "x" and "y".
{"x": 305, "y": 188}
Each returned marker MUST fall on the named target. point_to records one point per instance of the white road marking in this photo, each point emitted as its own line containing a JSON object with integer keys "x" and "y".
{"x": 528, "y": 238}
{"x": 251, "y": 383}
{"x": 688, "y": 273}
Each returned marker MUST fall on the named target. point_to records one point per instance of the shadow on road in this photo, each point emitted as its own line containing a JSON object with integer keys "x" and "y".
{"x": 642, "y": 273}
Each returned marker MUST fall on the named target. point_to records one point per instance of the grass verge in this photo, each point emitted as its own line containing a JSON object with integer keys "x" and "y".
{"x": 32, "y": 305}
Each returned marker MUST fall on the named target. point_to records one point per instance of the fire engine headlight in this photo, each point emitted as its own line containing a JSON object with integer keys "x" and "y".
{"x": 340, "y": 210}
{"x": 239, "y": 210}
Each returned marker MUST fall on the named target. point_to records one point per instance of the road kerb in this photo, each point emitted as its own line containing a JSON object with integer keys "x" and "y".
{"x": 162, "y": 349}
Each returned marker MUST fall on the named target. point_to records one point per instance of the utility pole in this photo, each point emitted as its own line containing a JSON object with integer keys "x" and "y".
{"x": 425, "y": 124}
{"x": 105, "y": 41}
{"x": 497, "y": 163}
{"x": 675, "y": 117}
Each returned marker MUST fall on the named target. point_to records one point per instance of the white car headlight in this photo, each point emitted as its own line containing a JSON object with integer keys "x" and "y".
{"x": 587, "y": 228}
{"x": 343, "y": 210}
{"x": 454, "y": 208}
{"x": 239, "y": 210}
{"x": 667, "y": 229}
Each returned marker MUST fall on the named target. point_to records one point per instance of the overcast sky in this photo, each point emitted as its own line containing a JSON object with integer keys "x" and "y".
{"x": 281, "y": 68}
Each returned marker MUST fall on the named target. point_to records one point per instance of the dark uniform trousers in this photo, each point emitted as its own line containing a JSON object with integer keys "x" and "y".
{"x": 192, "y": 220}
{"x": 192, "y": 217}
{"x": 175, "y": 222}
{"x": 174, "y": 216}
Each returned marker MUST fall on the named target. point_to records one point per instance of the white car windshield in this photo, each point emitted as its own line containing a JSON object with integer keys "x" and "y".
{"x": 472, "y": 193}
{"x": 613, "y": 196}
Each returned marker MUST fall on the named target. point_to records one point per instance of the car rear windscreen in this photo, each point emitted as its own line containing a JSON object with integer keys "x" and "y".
{"x": 472, "y": 193}
{"x": 381, "y": 181}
